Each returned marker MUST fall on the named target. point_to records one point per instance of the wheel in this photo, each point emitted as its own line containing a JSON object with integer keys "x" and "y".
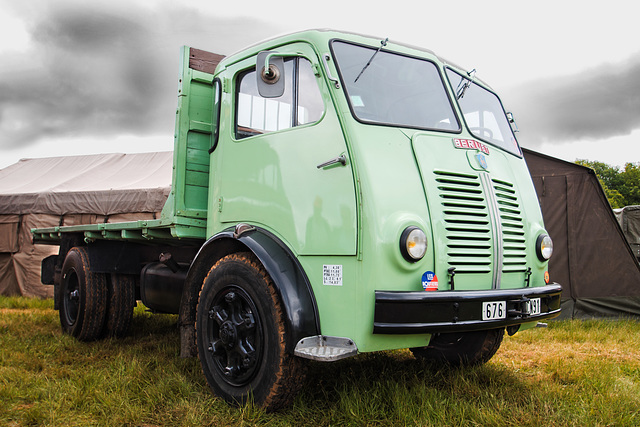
{"x": 83, "y": 295}
{"x": 461, "y": 349}
{"x": 241, "y": 336}
{"x": 122, "y": 299}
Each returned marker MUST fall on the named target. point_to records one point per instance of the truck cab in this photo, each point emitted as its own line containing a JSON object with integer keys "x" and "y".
{"x": 335, "y": 194}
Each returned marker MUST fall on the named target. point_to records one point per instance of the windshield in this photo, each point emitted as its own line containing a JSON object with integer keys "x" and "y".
{"x": 394, "y": 89}
{"x": 483, "y": 113}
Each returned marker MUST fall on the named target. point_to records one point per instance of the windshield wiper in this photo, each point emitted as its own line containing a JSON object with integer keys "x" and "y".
{"x": 383, "y": 43}
{"x": 465, "y": 83}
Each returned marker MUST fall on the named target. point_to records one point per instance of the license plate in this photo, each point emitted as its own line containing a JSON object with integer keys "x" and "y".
{"x": 494, "y": 310}
{"x": 534, "y": 306}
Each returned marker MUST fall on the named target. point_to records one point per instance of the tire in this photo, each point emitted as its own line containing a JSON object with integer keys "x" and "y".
{"x": 241, "y": 336}
{"x": 83, "y": 296}
{"x": 461, "y": 349}
{"x": 122, "y": 300}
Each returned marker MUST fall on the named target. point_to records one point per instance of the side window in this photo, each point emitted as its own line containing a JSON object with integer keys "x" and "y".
{"x": 300, "y": 104}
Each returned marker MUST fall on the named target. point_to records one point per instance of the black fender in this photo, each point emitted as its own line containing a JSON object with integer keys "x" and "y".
{"x": 289, "y": 278}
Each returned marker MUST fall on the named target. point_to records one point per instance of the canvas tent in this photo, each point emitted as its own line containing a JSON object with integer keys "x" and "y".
{"x": 71, "y": 191}
{"x": 629, "y": 220}
{"x": 592, "y": 260}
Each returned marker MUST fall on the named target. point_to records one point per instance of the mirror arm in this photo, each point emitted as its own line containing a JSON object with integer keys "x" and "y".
{"x": 282, "y": 55}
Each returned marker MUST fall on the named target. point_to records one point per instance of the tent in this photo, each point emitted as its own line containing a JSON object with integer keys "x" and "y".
{"x": 592, "y": 260}
{"x": 629, "y": 219}
{"x": 70, "y": 191}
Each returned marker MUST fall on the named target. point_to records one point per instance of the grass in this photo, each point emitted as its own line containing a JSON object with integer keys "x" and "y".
{"x": 574, "y": 373}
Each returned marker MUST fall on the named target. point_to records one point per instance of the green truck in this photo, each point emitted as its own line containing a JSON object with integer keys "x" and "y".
{"x": 332, "y": 194}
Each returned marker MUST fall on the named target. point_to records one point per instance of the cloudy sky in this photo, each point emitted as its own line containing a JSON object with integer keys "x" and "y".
{"x": 80, "y": 77}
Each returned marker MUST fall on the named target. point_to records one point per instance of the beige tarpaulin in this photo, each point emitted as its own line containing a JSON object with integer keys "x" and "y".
{"x": 71, "y": 191}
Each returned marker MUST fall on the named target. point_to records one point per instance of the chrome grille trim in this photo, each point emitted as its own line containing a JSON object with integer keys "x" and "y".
{"x": 496, "y": 229}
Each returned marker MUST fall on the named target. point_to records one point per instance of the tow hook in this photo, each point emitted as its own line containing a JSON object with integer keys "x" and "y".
{"x": 520, "y": 308}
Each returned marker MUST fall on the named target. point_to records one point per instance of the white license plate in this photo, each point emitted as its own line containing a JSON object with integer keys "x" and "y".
{"x": 494, "y": 310}
{"x": 534, "y": 306}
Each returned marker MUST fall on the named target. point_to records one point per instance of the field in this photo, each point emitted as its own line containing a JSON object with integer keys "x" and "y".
{"x": 573, "y": 373}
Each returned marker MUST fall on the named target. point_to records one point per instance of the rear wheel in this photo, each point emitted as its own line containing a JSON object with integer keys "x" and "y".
{"x": 83, "y": 296}
{"x": 241, "y": 336}
{"x": 462, "y": 348}
{"x": 122, "y": 300}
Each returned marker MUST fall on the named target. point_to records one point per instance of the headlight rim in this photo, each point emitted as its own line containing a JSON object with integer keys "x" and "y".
{"x": 539, "y": 243}
{"x": 403, "y": 244}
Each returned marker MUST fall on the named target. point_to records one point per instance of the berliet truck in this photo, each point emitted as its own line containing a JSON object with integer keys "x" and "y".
{"x": 332, "y": 194}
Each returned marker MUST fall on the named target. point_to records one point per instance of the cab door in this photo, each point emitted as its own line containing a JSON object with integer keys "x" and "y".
{"x": 270, "y": 169}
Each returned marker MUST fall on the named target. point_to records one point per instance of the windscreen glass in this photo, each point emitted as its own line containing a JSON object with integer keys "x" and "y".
{"x": 394, "y": 89}
{"x": 483, "y": 113}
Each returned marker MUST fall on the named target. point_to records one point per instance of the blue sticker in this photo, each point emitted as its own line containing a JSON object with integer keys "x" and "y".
{"x": 430, "y": 281}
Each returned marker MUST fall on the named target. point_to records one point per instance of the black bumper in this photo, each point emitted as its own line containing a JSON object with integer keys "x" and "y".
{"x": 459, "y": 311}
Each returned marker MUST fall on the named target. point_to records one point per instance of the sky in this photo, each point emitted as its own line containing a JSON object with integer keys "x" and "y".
{"x": 80, "y": 77}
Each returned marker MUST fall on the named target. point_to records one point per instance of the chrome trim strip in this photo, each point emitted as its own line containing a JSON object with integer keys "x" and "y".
{"x": 496, "y": 228}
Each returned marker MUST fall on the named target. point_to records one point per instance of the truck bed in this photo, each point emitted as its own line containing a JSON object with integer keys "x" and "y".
{"x": 165, "y": 231}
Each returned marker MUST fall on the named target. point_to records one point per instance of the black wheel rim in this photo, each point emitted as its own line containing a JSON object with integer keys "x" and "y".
{"x": 71, "y": 298}
{"x": 234, "y": 333}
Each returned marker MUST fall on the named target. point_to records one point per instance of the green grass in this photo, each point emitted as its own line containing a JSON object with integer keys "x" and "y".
{"x": 572, "y": 373}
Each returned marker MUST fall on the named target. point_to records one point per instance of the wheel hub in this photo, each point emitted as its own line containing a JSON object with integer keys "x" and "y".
{"x": 228, "y": 334}
{"x": 236, "y": 336}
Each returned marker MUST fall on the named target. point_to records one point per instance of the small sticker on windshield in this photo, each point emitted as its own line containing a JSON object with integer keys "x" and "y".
{"x": 356, "y": 101}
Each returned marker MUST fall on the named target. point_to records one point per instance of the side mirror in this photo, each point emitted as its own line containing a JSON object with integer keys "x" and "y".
{"x": 270, "y": 74}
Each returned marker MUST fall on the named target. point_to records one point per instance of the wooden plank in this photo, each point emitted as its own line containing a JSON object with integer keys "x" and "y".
{"x": 203, "y": 61}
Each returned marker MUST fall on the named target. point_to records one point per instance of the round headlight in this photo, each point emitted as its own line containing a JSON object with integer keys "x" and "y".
{"x": 544, "y": 247}
{"x": 413, "y": 244}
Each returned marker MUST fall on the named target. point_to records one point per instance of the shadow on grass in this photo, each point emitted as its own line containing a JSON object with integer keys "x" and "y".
{"x": 373, "y": 379}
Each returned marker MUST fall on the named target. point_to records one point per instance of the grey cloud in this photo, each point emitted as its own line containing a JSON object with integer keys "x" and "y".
{"x": 105, "y": 70}
{"x": 596, "y": 103}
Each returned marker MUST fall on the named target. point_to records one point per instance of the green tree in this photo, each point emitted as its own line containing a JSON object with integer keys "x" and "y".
{"x": 622, "y": 187}
{"x": 630, "y": 187}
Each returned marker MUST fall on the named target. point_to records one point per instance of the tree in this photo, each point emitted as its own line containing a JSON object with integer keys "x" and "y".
{"x": 630, "y": 188}
{"x": 622, "y": 188}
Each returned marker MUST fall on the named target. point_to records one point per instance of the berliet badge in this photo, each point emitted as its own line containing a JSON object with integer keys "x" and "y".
{"x": 482, "y": 160}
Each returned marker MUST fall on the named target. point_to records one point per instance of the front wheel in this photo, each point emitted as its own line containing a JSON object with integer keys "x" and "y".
{"x": 462, "y": 348}
{"x": 241, "y": 335}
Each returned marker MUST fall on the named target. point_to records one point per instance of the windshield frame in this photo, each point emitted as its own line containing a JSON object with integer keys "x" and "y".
{"x": 452, "y": 106}
{"x": 475, "y": 82}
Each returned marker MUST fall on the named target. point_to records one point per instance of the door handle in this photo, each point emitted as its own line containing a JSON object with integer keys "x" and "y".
{"x": 340, "y": 159}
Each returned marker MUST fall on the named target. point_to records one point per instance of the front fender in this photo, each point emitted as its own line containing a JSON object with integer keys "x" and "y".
{"x": 290, "y": 280}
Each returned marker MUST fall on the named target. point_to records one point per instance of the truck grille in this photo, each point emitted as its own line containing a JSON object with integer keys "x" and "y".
{"x": 513, "y": 237}
{"x": 468, "y": 223}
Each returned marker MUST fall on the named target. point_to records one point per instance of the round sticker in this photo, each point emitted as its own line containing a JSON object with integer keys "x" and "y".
{"x": 430, "y": 281}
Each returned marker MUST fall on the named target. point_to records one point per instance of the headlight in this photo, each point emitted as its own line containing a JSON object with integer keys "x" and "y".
{"x": 413, "y": 244}
{"x": 544, "y": 247}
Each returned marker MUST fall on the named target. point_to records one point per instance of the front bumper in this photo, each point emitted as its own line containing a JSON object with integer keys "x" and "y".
{"x": 459, "y": 311}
